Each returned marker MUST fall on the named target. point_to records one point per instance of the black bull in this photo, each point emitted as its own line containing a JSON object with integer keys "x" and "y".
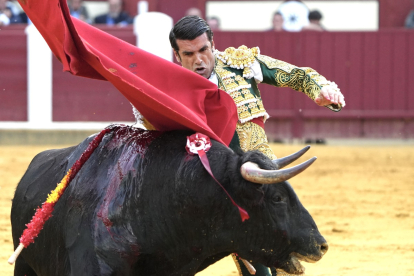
{"x": 141, "y": 205}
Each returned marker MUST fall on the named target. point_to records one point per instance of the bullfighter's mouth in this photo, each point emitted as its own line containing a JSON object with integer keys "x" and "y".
{"x": 200, "y": 70}
{"x": 293, "y": 266}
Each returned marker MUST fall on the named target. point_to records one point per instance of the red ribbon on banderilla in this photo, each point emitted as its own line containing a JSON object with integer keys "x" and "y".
{"x": 200, "y": 144}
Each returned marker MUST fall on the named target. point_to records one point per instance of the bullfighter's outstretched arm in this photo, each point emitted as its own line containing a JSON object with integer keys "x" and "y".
{"x": 303, "y": 79}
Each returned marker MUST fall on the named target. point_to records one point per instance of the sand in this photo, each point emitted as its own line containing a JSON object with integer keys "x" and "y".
{"x": 361, "y": 197}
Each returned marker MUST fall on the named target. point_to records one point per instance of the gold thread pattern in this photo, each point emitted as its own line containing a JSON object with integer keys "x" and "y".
{"x": 237, "y": 97}
{"x": 224, "y": 73}
{"x": 239, "y": 89}
{"x": 254, "y": 109}
{"x": 253, "y": 137}
{"x": 247, "y": 94}
{"x": 241, "y": 81}
{"x": 243, "y": 112}
{"x": 240, "y": 58}
{"x": 302, "y": 79}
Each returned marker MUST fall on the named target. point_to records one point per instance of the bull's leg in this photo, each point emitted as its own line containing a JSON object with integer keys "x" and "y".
{"x": 21, "y": 268}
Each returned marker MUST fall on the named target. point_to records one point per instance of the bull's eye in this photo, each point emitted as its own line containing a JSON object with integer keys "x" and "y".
{"x": 277, "y": 199}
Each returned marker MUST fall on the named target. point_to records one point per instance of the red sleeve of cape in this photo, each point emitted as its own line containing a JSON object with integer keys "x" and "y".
{"x": 168, "y": 96}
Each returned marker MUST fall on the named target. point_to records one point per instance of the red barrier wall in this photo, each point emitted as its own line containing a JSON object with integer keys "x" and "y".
{"x": 13, "y": 74}
{"x": 373, "y": 69}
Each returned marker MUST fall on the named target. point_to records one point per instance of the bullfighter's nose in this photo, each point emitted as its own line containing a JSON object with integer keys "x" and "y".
{"x": 324, "y": 248}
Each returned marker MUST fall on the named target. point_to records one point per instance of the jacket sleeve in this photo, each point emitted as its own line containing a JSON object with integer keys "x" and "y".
{"x": 303, "y": 79}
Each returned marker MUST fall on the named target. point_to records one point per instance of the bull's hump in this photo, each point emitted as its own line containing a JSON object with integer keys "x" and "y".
{"x": 137, "y": 138}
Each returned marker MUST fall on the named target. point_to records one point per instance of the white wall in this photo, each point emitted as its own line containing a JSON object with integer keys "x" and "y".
{"x": 257, "y": 15}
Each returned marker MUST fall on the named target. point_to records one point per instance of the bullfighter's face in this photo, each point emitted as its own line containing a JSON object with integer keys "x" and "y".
{"x": 196, "y": 55}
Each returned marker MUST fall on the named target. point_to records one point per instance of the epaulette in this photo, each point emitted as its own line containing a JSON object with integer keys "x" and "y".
{"x": 240, "y": 58}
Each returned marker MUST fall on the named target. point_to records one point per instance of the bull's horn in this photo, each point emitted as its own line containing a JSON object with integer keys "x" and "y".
{"x": 251, "y": 172}
{"x": 284, "y": 161}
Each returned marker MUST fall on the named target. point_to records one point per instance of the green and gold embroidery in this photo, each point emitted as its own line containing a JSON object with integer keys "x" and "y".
{"x": 224, "y": 74}
{"x": 242, "y": 82}
{"x": 253, "y": 137}
{"x": 240, "y": 58}
{"x": 247, "y": 94}
{"x": 237, "y": 97}
{"x": 243, "y": 112}
{"x": 254, "y": 110}
{"x": 302, "y": 79}
{"x": 240, "y": 90}
{"x": 260, "y": 105}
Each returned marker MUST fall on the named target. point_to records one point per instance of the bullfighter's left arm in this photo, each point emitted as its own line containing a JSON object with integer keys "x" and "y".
{"x": 303, "y": 79}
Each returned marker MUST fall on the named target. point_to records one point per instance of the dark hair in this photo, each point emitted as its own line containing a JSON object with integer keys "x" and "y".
{"x": 315, "y": 15}
{"x": 188, "y": 28}
{"x": 277, "y": 13}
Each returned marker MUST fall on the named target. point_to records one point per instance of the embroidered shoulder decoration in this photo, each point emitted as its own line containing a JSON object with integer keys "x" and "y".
{"x": 240, "y": 58}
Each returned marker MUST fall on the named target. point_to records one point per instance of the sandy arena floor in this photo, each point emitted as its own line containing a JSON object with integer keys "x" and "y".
{"x": 361, "y": 197}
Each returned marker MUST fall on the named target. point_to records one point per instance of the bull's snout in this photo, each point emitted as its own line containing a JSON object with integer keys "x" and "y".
{"x": 324, "y": 248}
{"x": 293, "y": 265}
{"x": 314, "y": 257}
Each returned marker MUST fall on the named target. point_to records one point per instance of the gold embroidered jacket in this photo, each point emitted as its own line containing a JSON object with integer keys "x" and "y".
{"x": 235, "y": 72}
{"x": 235, "y": 76}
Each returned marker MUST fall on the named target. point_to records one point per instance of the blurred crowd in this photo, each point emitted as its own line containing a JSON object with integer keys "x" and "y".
{"x": 282, "y": 20}
{"x": 11, "y": 13}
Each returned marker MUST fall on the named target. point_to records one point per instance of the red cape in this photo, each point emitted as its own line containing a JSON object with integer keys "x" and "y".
{"x": 167, "y": 95}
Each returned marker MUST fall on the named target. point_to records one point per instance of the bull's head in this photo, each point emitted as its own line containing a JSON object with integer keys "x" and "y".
{"x": 196, "y": 222}
{"x": 293, "y": 227}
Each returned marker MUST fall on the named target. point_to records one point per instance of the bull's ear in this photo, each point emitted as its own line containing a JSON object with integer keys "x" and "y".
{"x": 250, "y": 193}
{"x": 254, "y": 194}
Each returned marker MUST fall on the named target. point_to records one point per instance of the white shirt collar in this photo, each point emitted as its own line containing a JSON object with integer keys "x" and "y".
{"x": 213, "y": 78}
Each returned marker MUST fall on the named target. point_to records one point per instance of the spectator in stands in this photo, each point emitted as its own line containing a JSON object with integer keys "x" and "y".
{"x": 4, "y": 20}
{"x": 116, "y": 15}
{"x": 214, "y": 23}
{"x": 409, "y": 21}
{"x": 315, "y": 18}
{"x": 78, "y": 10}
{"x": 9, "y": 13}
{"x": 194, "y": 11}
{"x": 277, "y": 22}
